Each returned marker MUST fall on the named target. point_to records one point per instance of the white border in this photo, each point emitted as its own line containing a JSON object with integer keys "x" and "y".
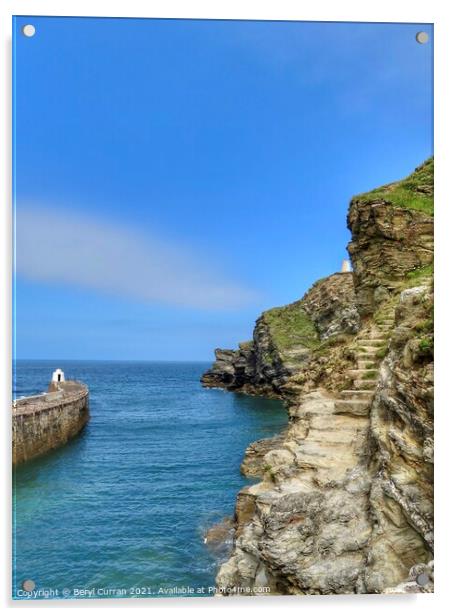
{"x": 322, "y": 10}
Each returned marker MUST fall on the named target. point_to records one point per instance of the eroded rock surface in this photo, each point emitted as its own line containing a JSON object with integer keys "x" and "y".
{"x": 304, "y": 525}
{"x": 345, "y": 500}
{"x": 392, "y": 235}
{"x": 402, "y": 431}
{"x": 331, "y": 305}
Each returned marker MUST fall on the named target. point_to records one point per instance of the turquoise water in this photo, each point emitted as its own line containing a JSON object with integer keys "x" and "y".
{"x": 123, "y": 507}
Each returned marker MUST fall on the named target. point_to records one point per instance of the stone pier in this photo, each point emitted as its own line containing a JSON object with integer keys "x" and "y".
{"x": 47, "y": 421}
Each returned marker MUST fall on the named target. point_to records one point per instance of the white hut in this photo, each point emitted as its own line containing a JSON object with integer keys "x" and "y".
{"x": 346, "y": 267}
{"x": 58, "y": 376}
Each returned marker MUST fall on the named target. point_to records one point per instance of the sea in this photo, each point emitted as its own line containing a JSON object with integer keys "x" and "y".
{"x": 122, "y": 509}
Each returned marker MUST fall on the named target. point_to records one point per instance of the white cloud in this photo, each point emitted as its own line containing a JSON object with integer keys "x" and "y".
{"x": 58, "y": 246}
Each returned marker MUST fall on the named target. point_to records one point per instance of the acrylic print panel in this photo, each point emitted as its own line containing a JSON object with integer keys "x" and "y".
{"x": 174, "y": 181}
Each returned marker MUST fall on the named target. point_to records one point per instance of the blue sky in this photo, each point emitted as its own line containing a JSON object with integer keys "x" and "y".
{"x": 173, "y": 178}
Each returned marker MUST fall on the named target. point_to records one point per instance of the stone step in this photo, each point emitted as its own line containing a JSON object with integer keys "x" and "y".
{"x": 370, "y": 349}
{"x": 334, "y": 438}
{"x": 366, "y": 348}
{"x": 365, "y": 384}
{"x": 362, "y": 373}
{"x": 369, "y": 364}
{"x": 336, "y": 423}
{"x": 357, "y": 394}
{"x": 371, "y": 342}
{"x": 362, "y": 356}
{"x": 358, "y": 408}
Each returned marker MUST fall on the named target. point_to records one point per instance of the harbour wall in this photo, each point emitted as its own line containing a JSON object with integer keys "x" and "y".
{"x": 47, "y": 421}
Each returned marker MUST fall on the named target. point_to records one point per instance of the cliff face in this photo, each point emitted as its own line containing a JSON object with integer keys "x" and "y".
{"x": 401, "y": 497}
{"x": 285, "y": 338}
{"x": 392, "y": 235}
{"x": 345, "y": 501}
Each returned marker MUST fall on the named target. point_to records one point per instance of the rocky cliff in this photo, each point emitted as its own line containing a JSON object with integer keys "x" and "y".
{"x": 345, "y": 499}
{"x": 392, "y": 235}
{"x": 285, "y": 338}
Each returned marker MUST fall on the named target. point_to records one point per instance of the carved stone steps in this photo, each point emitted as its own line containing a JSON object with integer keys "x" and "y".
{"x": 357, "y": 408}
{"x": 368, "y": 364}
{"x": 365, "y": 383}
{"x": 362, "y": 355}
{"x": 372, "y": 342}
{"x": 357, "y": 394}
{"x": 369, "y": 349}
{"x": 361, "y": 372}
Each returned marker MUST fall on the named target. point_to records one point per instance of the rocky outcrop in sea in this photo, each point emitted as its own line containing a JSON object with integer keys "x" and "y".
{"x": 345, "y": 498}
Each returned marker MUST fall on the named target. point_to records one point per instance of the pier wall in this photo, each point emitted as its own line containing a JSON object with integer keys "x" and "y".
{"x": 42, "y": 423}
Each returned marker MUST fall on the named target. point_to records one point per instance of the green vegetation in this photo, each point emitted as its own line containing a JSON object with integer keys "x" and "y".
{"x": 425, "y": 346}
{"x": 335, "y": 340}
{"x": 324, "y": 347}
{"x": 425, "y": 326}
{"x": 370, "y": 374}
{"x": 290, "y": 326}
{"x": 420, "y": 272}
{"x": 267, "y": 358}
{"x": 382, "y": 351}
{"x": 347, "y": 383}
{"x": 367, "y": 385}
{"x": 385, "y": 313}
{"x": 413, "y": 193}
{"x": 268, "y": 469}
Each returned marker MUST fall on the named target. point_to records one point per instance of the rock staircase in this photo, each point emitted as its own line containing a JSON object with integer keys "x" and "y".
{"x": 357, "y": 400}
{"x": 316, "y": 483}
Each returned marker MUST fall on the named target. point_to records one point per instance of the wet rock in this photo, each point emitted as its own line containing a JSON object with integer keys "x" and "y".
{"x": 220, "y": 534}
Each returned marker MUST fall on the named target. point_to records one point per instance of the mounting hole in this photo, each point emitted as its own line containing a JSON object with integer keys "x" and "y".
{"x": 28, "y": 585}
{"x": 422, "y": 579}
{"x": 422, "y": 37}
{"x": 29, "y": 30}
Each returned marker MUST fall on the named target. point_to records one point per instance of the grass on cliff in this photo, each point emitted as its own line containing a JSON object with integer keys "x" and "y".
{"x": 290, "y": 326}
{"x": 325, "y": 346}
{"x": 420, "y": 272}
{"x": 414, "y": 192}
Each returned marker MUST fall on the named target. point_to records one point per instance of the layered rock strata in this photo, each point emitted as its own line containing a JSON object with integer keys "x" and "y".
{"x": 345, "y": 501}
{"x": 392, "y": 234}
